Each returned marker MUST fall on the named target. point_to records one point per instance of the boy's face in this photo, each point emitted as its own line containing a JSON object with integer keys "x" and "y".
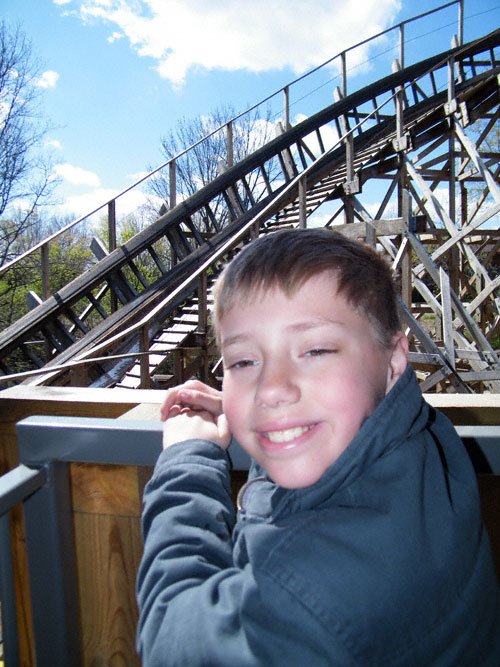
{"x": 301, "y": 373}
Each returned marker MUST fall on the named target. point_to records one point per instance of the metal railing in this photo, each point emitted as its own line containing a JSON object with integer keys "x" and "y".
{"x": 47, "y": 445}
{"x": 340, "y": 60}
{"x": 15, "y": 486}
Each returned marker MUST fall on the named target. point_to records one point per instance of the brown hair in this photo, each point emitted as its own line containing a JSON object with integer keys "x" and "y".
{"x": 288, "y": 258}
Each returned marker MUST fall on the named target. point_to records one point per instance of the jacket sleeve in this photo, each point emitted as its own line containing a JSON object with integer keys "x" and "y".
{"x": 196, "y": 607}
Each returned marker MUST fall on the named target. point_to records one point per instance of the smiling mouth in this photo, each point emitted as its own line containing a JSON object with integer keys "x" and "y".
{"x": 288, "y": 434}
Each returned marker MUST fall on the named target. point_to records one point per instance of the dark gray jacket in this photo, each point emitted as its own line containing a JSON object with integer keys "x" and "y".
{"x": 384, "y": 561}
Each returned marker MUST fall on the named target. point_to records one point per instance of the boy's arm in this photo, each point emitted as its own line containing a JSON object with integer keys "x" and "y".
{"x": 187, "y": 522}
{"x": 197, "y": 608}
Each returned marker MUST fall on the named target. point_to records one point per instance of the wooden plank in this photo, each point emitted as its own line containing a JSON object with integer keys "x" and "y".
{"x": 72, "y": 400}
{"x": 447, "y": 319}
{"x": 129, "y": 381}
{"x": 106, "y": 571}
{"x": 105, "y": 489}
{"x": 468, "y": 409}
{"x": 357, "y": 230}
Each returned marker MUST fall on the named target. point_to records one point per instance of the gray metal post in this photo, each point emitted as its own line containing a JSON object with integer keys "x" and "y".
{"x": 286, "y": 102}
{"x": 461, "y": 22}
{"x": 229, "y": 144}
{"x": 53, "y": 580}
{"x": 112, "y": 245}
{"x": 44, "y": 250}
{"x": 8, "y": 596}
{"x": 303, "y": 201}
{"x": 402, "y": 45}
{"x": 111, "y": 225}
{"x": 172, "y": 183}
{"x": 15, "y": 486}
{"x": 343, "y": 58}
{"x": 144, "y": 362}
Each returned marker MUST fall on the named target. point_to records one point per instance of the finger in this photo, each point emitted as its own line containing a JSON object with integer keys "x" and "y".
{"x": 174, "y": 411}
{"x": 189, "y": 411}
{"x": 166, "y": 406}
{"x": 196, "y": 400}
{"x": 195, "y": 413}
{"x": 172, "y": 397}
{"x": 192, "y": 393}
{"x": 201, "y": 400}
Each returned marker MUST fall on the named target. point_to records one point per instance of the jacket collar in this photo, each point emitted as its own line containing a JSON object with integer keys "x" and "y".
{"x": 401, "y": 414}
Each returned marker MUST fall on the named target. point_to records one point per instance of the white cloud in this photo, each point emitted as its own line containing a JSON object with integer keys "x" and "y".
{"x": 81, "y": 204}
{"x": 47, "y": 80}
{"x": 223, "y": 34}
{"x": 81, "y": 192}
{"x": 76, "y": 175}
{"x": 115, "y": 36}
{"x": 133, "y": 178}
{"x": 329, "y": 137}
{"x": 54, "y": 143}
{"x": 61, "y": 2}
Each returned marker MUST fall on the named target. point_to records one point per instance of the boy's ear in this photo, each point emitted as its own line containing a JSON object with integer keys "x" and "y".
{"x": 398, "y": 360}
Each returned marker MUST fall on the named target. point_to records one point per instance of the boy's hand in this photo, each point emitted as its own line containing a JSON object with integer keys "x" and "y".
{"x": 195, "y": 395}
{"x": 186, "y": 424}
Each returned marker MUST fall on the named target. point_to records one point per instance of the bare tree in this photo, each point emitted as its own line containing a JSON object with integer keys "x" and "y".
{"x": 25, "y": 175}
{"x": 209, "y": 155}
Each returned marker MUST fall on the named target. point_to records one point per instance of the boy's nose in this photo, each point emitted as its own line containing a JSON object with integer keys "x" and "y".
{"x": 276, "y": 386}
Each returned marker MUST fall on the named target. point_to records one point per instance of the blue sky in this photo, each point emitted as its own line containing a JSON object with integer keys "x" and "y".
{"x": 119, "y": 74}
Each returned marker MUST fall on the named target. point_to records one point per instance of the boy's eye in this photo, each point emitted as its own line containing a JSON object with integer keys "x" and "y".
{"x": 319, "y": 351}
{"x": 243, "y": 363}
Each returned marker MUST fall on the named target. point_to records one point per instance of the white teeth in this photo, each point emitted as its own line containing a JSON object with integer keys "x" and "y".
{"x": 287, "y": 434}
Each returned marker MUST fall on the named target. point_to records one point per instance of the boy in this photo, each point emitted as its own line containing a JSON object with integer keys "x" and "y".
{"x": 359, "y": 538}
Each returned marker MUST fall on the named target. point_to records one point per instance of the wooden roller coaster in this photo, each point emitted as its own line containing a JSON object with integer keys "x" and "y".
{"x": 425, "y": 136}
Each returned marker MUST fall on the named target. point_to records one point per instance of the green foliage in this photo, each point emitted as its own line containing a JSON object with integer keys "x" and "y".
{"x": 69, "y": 257}
{"x": 127, "y": 228}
